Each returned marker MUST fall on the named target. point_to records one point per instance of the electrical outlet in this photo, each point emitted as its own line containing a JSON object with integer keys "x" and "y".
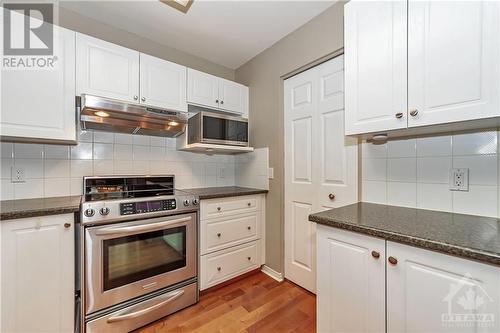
{"x": 459, "y": 179}
{"x": 271, "y": 173}
{"x": 18, "y": 175}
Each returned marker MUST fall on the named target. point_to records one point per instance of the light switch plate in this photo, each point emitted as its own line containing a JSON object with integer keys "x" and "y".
{"x": 459, "y": 179}
{"x": 271, "y": 173}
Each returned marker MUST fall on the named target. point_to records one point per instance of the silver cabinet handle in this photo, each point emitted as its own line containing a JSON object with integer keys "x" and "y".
{"x": 129, "y": 315}
{"x": 413, "y": 112}
{"x": 399, "y": 115}
{"x": 143, "y": 99}
{"x": 136, "y": 97}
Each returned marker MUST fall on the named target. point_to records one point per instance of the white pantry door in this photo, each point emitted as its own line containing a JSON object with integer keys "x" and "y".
{"x": 319, "y": 160}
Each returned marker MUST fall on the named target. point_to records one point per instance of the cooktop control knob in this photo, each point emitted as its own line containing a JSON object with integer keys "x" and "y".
{"x": 89, "y": 212}
{"x": 195, "y": 202}
{"x": 186, "y": 202}
{"x": 104, "y": 211}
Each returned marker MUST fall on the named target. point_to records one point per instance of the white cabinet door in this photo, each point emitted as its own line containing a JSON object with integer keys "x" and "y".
{"x": 432, "y": 292}
{"x": 375, "y": 66}
{"x": 105, "y": 69}
{"x": 233, "y": 97}
{"x": 40, "y": 104}
{"x": 202, "y": 88}
{"x": 453, "y": 61}
{"x": 337, "y": 154}
{"x": 351, "y": 282}
{"x": 163, "y": 83}
{"x": 37, "y": 256}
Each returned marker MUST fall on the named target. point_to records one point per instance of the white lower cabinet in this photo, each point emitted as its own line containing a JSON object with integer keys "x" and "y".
{"x": 231, "y": 240}
{"x": 366, "y": 284}
{"x": 351, "y": 282}
{"x": 433, "y": 292}
{"x": 37, "y": 274}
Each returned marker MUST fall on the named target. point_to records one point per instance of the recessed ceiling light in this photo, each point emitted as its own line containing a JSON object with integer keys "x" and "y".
{"x": 173, "y": 123}
{"x": 101, "y": 114}
{"x": 180, "y": 5}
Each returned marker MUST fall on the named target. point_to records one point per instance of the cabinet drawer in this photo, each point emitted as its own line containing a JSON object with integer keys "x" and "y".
{"x": 222, "y": 233}
{"x": 223, "y": 265}
{"x": 229, "y": 206}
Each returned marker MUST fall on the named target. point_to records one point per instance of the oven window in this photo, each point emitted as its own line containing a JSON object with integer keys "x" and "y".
{"x": 133, "y": 258}
{"x": 224, "y": 129}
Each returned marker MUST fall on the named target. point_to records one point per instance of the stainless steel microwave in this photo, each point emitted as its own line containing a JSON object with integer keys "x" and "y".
{"x": 215, "y": 128}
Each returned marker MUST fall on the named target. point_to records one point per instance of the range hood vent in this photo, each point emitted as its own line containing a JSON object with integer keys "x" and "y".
{"x": 105, "y": 114}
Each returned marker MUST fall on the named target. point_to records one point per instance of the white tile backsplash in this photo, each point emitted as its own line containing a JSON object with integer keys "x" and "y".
{"x": 58, "y": 170}
{"x": 423, "y": 181}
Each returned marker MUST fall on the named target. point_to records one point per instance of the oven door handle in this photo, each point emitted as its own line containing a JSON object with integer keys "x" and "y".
{"x": 130, "y": 315}
{"x": 116, "y": 231}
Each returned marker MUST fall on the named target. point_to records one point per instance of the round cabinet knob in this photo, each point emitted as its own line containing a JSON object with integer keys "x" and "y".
{"x": 393, "y": 261}
{"x": 136, "y": 97}
{"x": 218, "y": 209}
{"x": 67, "y": 225}
{"x": 217, "y": 101}
{"x": 89, "y": 212}
{"x": 399, "y": 115}
{"x": 196, "y": 202}
{"x": 249, "y": 204}
{"x": 249, "y": 258}
{"x": 143, "y": 99}
{"x": 331, "y": 196}
{"x": 249, "y": 228}
{"x": 221, "y": 102}
{"x": 186, "y": 202}
{"x": 219, "y": 269}
{"x": 104, "y": 211}
{"x": 414, "y": 112}
{"x": 219, "y": 234}
{"x": 375, "y": 254}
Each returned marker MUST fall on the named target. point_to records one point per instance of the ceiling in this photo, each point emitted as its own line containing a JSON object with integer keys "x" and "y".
{"x": 228, "y": 33}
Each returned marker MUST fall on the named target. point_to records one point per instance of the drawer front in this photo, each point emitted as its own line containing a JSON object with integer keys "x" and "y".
{"x": 223, "y": 233}
{"x": 229, "y": 206}
{"x": 220, "y": 266}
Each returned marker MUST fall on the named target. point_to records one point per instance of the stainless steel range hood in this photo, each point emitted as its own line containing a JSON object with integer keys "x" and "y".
{"x": 111, "y": 115}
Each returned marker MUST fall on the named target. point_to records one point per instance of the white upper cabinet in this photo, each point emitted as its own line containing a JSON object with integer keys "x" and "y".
{"x": 216, "y": 93}
{"x": 233, "y": 96}
{"x": 202, "y": 89}
{"x": 162, "y": 83}
{"x": 433, "y": 292}
{"x": 375, "y": 66}
{"x": 453, "y": 57}
{"x": 453, "y": 61}
{"x": 40, "y": 104}
{"x": 106, "y": 70}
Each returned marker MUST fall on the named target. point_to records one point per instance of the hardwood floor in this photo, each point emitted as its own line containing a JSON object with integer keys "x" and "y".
{"x": 255, "y": 304}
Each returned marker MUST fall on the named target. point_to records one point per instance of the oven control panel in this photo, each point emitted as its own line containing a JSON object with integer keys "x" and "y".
{"x": 129, "y": 208}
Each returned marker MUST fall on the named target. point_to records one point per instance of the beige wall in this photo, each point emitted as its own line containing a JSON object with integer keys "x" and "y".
{"x": 317, "y": 38}
{"x": 77, "y": 22}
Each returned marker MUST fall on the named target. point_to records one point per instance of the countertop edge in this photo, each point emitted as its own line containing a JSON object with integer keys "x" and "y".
{"x": 450, "y": 249}
{"x": 227, "y": 195}
{"x": 38, "y": 212}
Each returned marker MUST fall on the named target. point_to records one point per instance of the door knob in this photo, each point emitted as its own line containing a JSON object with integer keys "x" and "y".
{"x": 375, "y": 254}
{"x": 393, "y": 261}
{"x": 413, "y": 112}
{"x": 331, "y": 196}
{"x": 67, "y": 225}
{"x": 399, "y": 115}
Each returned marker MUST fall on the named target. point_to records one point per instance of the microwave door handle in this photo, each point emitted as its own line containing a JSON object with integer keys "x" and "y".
{"x": 130, "y": 315}
{"x": 116, "y": 231}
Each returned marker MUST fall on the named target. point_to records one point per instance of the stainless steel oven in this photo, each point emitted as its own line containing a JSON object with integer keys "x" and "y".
{"x": 125, "y": 260}
{"x": 216, "y": 128}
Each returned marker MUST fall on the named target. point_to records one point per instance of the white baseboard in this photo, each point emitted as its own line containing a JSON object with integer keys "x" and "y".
{"x": 272, "y": 273}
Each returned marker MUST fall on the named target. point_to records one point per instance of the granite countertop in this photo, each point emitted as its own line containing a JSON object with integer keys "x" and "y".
{"x": 467, "y": 236}
{"x": 16, "y": 209}
{"x": 223, "y": 192}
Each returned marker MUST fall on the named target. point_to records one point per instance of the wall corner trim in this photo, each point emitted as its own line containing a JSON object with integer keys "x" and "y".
{"x": 272, "y": 273}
